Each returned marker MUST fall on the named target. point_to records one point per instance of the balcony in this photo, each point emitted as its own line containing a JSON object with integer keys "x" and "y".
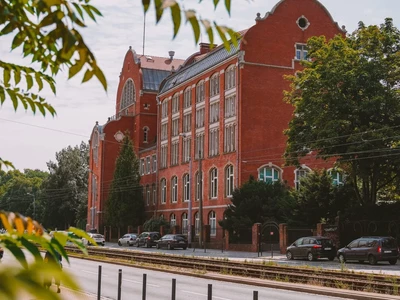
{"x": 123, "y": 113}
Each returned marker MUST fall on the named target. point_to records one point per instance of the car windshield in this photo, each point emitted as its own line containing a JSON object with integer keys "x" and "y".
{"x": 389, "y": 243}
{"x": 97, "y": 236}
{"x": 180, "y": 237}
{"x": 325, "y": 243}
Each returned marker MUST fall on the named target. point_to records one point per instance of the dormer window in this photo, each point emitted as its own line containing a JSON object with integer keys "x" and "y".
{"x": 301, "y": 52}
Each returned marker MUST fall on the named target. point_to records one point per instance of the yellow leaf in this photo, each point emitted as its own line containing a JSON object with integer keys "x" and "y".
{"x": 19, "y": 224}
{"x": 5, "y": 222}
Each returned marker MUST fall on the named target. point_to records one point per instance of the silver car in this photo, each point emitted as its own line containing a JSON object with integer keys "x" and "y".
{"x": 97, "y": 237}
{"x": 128, "y": 239}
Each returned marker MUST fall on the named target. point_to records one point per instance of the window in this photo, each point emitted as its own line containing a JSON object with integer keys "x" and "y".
{"x": 200, "y": 92}
{"x": 196, "y": 223}
{"x": 147, "y": 195}
{"x": 213, "y": 143}
{"x": 174, "y": 189}
{"x": 173, "y": 220}
{"x": 174, "y": 153}
{"x": 145, "y": 134}
{"x": 298, "y": 174}
{"x": 164, "y": 131}
{"x": 214, "y": 112}
{"x": 154, "y": 193}
{"x": 337, "y": 177}
{"x": 301, "y": 52}
{"x": 186, "y": 188}
{"x": 230, "y": 106}
{"x": 186, "y": 148}
{"x": 230, "y": 78}
{"x": 164, "y": 109}
{"x": 148, "y": 165}
{"x": 128, "y": 94}
{"x": 164, "y": 155}
{"x": 95, "y": 146}
{"x": 214, "y": 183}
{"x": 199, "y": 188}
{"x": 187, "y": 122}
{"x": 229, "y": 183}
{"x": 163, "y": 191}
{"x": 214, "y": 85}
{"x": 175, "y": 103}
{"x": 142, "y": 167}
{"x": 154, "y": 158}
{"x": 175, "y": 127}
{"x": 187, "y": 98}
{"x": 185, "y": 223}
{"x": 229, "y": 138}
{"x": 268, "y": 174}
{"x": 200, "y": 117}
{"x": 199, "y": 146}
{"x": 212, "y": 221}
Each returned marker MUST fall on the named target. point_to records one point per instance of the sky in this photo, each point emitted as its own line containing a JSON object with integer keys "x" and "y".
{"x": 29, "y": 141}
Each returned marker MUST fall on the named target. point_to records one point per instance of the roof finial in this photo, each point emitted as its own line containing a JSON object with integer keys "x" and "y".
{"x": 258, "y": 17}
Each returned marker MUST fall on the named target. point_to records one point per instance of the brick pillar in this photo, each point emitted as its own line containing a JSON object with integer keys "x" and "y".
{"x": 130, "y": 229}
{"x": 105, "y": 234}
{"x": 255, "y": 236}
{"x": 320, "y": 229}
{"x": 162, "y": 230}
{"x": 206, "y": 233}
{"x": 283, "y": 238}
{"x": 139, "y": 229}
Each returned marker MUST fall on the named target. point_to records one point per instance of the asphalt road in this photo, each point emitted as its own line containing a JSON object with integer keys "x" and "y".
{"x": 381, "y": 267}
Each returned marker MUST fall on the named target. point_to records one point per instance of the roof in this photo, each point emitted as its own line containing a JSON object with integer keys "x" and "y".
{"x": 152, "y": 78}
{"x": 211, "y": 59}
{"x": 159, "y": 63}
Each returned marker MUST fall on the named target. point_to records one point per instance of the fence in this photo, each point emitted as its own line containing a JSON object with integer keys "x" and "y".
{"x": 144, "y": 287}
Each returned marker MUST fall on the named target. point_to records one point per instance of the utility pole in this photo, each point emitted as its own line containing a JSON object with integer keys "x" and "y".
{"x": 190, "y": 204}
{"x": 200, "y": 201}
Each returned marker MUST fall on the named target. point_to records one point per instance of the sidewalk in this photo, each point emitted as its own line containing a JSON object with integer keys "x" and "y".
{"x": 67, "y": 294}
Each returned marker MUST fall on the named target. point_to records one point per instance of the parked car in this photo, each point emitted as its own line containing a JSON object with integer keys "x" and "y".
{"x": 312, "y": 248}
{"x": 128, "y": 239}
{"x": 372, "y": 249}
{"x": 147, "y": 239}
{"x": 97, "y": 237}
{"x": 172, "y": 241}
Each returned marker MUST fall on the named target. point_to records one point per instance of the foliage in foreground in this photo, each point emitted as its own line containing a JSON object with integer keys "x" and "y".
{"x": 24, "y": 238}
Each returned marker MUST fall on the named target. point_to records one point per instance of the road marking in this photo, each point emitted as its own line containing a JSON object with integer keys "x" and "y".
{"x": 199, "y": 294}
{"x": 90, "y": 272}
{"x": 139, "y": 282}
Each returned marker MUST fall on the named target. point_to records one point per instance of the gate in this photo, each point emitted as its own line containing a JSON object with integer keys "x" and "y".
{"x": 270, "y": 236}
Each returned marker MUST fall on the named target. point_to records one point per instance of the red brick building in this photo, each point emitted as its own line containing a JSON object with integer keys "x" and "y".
{"x": 220, "y": 110}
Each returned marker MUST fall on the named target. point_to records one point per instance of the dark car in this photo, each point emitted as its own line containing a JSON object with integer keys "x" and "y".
{"x": 172, "y": 241}
{"x": 312, "y": 248}
{"x": 147, "y": 239}
{"x": 371, "y": 248}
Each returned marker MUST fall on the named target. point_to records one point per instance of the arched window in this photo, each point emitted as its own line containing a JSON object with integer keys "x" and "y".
{"x": 185, "y": 224}
{"x": 298, "y": 174}
{"x": 269, "y": 174}
{"x": 163, "y": 191}
{"x": 199, "y": 186}
{"x": 95, "y": 146}
{"x": 187, "y": 98}
{"x": 146, "y": 134}
{"x": 212, "y": 221}
{"x": 196, "y": 223}
{"x": 213, "y": 183}
{"x": 128, "y": 94}
{"x": 337, "y": 176}
{"x": 186, "y": 187}
{"x": 230, "y": 77}
{"x": 229, "y": 181}
{"x": 200, "y": 95}
{"x": 173, "y": 220}
{"x": 175, "y": 103}
{"x": 174, "y": 189}
{"x": 214, "y": 85}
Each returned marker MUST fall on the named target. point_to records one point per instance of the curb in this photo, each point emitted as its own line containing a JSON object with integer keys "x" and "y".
{"x": 303, "y": 288}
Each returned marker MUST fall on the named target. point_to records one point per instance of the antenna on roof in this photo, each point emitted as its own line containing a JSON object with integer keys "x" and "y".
{"x": 144, "y": 31}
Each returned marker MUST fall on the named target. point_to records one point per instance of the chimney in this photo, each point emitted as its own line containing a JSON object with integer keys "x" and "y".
{"x": 205, "y": 48}
{"x": 171, "y": 55}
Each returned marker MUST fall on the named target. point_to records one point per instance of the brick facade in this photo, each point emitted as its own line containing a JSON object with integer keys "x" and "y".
{"x": 243, "y": 122}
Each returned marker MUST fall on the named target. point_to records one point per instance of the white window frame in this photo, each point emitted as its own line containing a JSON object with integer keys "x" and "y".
{"x": 164, "y": 156}
{"x": 229, "y": 181}
{"x": 154, "y": 163}
{"x": 187, "y": 122}
{"x": 230, "y": 138}
{"x": 213, "y": 142}
{"x": 142, "y": 166}
{"x": 198, "y": 190}
{"x": 304, "y": 170}
{"x": 187, "y": 98}
{"x": 174, "y": 189}
{"x": 230, "y": 77}
{"x": 185, "y": 223}
{"x": 163, "y": 186}
{"x": 200, "y": 112}
{"x": 175, "y": 153}
{"x": 301, "y": 51}
{"x": 175, "y": 103}
{"x": 214, "y": 112}
{"x": 200, "y": 92}
{"x": 172, "y": 220}
{"x": 230, "y": 106}
{"x": 214, "y": 183}
{"x": 154, "y": 194}
{"x": 338, "y": 180}
{"x": 164, "y": 131}
{"x": 186, "y": 149}
{"x": 128, "y": 94}
{"x": 148, "y": 163}
{"x": 274, "y": 170}
{"x": 212, "y": 221}
{"x": 164, "y": 109}
{"x": 146, "y": 134}
{"x": 148, "y": 195}
{"x": 197, "y": 223}
{"x": 199, "y": 146}
{"x": 214, "y": 85}
{"x": 186, "y": 187}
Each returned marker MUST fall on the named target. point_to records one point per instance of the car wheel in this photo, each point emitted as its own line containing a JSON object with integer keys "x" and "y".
{"x": 119, "y": 243}
{"x": 170, "y": 247}
{"x": 331, "y": 258}
{"x": 310, "y": 256}
{"x": 372, "y": 260}
{"x": 342, "y": 259}
{"x": 289, "y": 255}
{"x": 157, "y": 246}
{"x": 393, "y": 261}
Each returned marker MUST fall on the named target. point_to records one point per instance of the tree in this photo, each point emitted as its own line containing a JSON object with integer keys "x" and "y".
{"x": 64, "y": 195}
{"x": 347, "y": 107}
{"x": 155, "y": 223}
{"x": 257, "y": 202}
{"x": 125, "y": 206}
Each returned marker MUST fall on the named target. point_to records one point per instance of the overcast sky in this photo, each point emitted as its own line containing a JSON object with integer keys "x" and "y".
{"x": 31, "y": 141}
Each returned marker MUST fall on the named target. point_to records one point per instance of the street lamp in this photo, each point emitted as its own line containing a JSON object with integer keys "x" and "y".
{"x": 189, "y": 218}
